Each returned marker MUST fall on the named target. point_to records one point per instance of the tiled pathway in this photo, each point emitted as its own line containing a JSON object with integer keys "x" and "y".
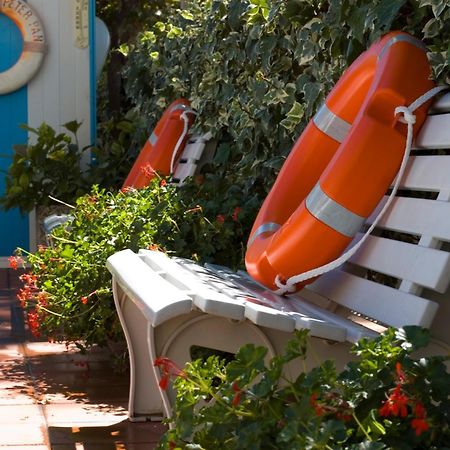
{"x": 54, "y": 398}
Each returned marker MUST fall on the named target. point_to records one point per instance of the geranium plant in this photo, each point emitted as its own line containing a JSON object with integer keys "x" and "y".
{"x": 67, "y": 291}
{"x": 385, "y": 399}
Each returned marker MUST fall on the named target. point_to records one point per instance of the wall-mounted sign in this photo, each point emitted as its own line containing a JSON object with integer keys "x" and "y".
{"x": 81, "y": 13}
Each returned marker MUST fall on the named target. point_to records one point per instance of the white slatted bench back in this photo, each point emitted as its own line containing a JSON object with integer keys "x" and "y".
{"x": 402, "y": 274}
{"x": 189, "y": 160}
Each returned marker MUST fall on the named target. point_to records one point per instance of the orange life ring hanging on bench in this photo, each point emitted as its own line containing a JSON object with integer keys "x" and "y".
{"x": 163, "y": 147}
{"x": 342, "y": 164}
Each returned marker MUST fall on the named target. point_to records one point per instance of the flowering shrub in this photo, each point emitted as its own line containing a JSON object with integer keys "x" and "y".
{"x": 386, "y": 399}
{"x": 67, "y": 292}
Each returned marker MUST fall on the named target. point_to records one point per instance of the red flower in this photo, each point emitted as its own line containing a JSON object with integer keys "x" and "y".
{"x": 400, "y": 374}
{"x": 162, "y": 183}
{"x": 419, "y": 411}
{"x": 14, "y": 262}
{"x": 419, "y": 426}
{"x": 320, "y": 411}
{"x": 148, "y": 171}
{"x": 42, "y": 299}
{"x": 236, "y": 212}
{"x": 85, "y": 299}
{"x": 345, "y": 417}
{"x": 396, "y": 404}
{"x": 238, "y": 393}
{"x": 419, "y": 423}
{"x": 33, "y": 323}
{"x": 220, "y": 218}
{"x": 168, "y": 369}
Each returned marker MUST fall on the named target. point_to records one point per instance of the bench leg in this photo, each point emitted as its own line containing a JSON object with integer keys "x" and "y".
{"x": 145, "y": 401}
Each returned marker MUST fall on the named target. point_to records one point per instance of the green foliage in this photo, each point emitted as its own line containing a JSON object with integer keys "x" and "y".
{"x": 124, "y": 19}
{"x": 386, "y": 399}
{"x": 51, "y": 166}
{"x": 67, "y": 292}
{"x": 256, "y": 71}
{"x": 118, "y": 145}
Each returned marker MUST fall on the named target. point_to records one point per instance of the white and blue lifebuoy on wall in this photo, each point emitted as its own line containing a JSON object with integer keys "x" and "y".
{"x": 47, "y": 74}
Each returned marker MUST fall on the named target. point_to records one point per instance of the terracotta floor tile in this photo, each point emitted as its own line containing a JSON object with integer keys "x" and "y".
{"x": 19, "y": 392}
{"x": 21, "y": 414}
{"x": 84, "y": 394}
{"x": 80, "y": 414}
{"x": 79, "y": 379}
{"x": 19, "y": 436}
{"x": 14, "y": 370}
{"x": 11, "y": 352}
{"x": 45, "y": 365}
{"x": 4, "y": 279}
{"x": 59, "y": 353}
{"x": 121, "y": 433}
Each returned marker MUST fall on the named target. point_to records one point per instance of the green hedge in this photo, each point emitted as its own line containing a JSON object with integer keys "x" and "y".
{"x": 256, "y": 71}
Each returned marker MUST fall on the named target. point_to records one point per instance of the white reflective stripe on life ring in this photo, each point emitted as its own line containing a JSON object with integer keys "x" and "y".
{"x": 34, "y": 45}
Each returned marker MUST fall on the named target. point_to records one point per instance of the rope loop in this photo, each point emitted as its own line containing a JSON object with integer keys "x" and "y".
{"x": 408, "y": 116}
{"x": 185, "y": 118}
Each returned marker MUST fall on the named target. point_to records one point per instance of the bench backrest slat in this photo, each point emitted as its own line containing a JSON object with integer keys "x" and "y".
{"x": 427, "y": 267}
{"x": 377, "y": 301}
{"x": 417, "y": 216}
{"x": 427, "y": 173}
{"x": 435, "y": 133}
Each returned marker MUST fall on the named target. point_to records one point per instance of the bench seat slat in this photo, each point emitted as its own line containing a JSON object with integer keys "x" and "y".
{"x": 379, "y": 302}
{"x": 158, "y": 299}
{"x": 416, "y": 216}
{"x": 203, "y": 295}
{"x": 426, "y": 267}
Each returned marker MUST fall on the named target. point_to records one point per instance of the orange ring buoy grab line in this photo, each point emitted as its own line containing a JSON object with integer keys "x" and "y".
{"x": 163, "y": 148}
{"x": 341, "y": 166}
{"x": 34, "y": 45}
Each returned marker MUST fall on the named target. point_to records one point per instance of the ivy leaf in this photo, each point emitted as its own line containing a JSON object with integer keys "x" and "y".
{"x": 293, "y": 117}
{"x": 432, "y": 28}
{"x": 386, "y": 11}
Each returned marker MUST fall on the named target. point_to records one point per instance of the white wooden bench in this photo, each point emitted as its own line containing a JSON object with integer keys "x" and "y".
{"x": 399, "y": 277}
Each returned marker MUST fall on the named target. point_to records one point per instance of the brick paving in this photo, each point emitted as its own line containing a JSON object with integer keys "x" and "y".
{"x": 54, "y": 398}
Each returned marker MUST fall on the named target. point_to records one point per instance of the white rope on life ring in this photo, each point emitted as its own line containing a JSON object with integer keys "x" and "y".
{"x": 34, "y": 45}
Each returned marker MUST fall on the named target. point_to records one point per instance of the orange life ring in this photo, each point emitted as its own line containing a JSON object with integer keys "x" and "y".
{"x": 164, "y": 145}
{"x": 34, "y": 46}
{"x": 342, "y": 164}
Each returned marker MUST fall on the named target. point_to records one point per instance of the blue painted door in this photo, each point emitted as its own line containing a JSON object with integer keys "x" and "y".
{"x": 13, "y": 112}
